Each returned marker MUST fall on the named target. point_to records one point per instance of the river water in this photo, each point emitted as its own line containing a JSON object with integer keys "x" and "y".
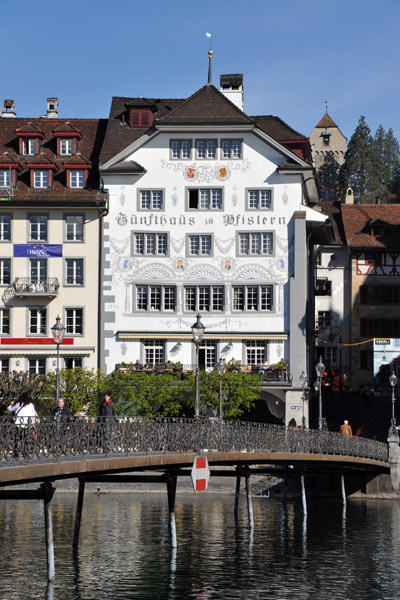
{"x": 124, "y": 550}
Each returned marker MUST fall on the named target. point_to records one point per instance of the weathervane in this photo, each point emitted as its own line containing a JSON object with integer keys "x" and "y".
{"x": 326, "y": 106}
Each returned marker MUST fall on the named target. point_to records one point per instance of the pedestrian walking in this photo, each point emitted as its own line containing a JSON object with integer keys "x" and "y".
{"x": 25, "y": 417}
{"x": 108, "y": 417}
{"x": 345, "y": 429}
{"x": 61, "y": 412}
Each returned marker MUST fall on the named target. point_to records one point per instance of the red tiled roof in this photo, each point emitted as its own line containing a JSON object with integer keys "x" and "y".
{"x": 29, "y": 128}
{"x": 207, "y": 106}
{"x": 326, "y": 121}
{"x": 92, "y": 131}
{"x": 67, "y": 128}
{"x": 357, "y": 219}
{"x": 77, "y": 160}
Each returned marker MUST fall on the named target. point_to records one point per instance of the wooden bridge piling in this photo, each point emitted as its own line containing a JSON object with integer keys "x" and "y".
{"x": 48, "y": 492}
{"x": 171, "y": 490}
{"x": 303, "y": 493}
{"x": 343, "y": 487}
{"x": 78, "y": 514}
{"x": 249, "y": 501}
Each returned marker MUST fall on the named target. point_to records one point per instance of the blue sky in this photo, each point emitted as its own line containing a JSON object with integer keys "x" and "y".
{"x": 294, "y": 55}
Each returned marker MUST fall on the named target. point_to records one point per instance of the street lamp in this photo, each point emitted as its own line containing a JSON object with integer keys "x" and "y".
{"x": 58, "y": 331}
{"x": 198, "y": 330}
{"x": 320, "y": 369}
{"x": 304, "y": 385}
{"x": 220, "y": 367}
{"x": 393, "y": 383}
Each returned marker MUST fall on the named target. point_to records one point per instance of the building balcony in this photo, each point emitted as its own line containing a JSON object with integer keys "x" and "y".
{"x": 23, "y": 287}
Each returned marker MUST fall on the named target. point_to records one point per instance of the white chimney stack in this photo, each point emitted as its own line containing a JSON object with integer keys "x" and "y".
{"x": 9, "y": 109}
{"x": 52, "y": 108}
{"x": 232, "y": 88}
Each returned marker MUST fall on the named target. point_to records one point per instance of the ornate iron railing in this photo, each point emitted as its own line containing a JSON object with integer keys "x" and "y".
{"x": 82, "y": 436}
{"x": 27, "y": 286}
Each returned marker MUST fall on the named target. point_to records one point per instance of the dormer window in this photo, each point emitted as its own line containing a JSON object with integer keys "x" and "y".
{"x": 30, "y": 146}
{"x": 5, "y": 178}
{"x": 77, "y": 178}
{"x": 140, "y": 117}
{"x": 66, "y": 146}
{"x": 41, "y": 179}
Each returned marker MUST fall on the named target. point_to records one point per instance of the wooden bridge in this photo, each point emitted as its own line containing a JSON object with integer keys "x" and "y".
{"x": 136, "y": 450}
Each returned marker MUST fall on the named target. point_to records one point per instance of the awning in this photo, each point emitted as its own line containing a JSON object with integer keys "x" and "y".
{"x": 42, "y": 351}
{"x": 272, "y": 337}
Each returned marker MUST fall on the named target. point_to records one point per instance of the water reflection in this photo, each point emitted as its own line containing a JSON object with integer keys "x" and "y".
{"x": 125, "y": 550}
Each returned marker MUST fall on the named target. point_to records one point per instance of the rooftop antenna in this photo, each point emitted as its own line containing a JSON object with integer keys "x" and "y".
{"x": 326, "y": 106}
{"x": 210, "y": 53}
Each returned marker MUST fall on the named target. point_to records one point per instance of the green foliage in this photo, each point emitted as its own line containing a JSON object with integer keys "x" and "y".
{"x": 239, "y": 392}
{"x": 81, "y": 389}
{"x": 12, "y": 385}
{"x": 328, "y": 176}
{"x": 371, "y": 165}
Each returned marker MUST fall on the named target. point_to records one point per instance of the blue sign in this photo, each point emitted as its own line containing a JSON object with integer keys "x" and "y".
{"x": 37, "y": 250}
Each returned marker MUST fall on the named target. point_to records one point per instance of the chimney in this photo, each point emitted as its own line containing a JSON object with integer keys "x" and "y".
{"x": 349, "y": 196}
{"x": 9, "y": 109}
{"x": 52, "y": 108}
{"x": 232, "y": 88}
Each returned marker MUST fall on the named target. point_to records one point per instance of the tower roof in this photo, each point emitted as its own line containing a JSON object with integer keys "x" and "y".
{"x": 326, "y": 121}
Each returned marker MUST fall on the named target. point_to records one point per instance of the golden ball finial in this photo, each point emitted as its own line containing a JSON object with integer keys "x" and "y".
{"x": 210, "y": 53}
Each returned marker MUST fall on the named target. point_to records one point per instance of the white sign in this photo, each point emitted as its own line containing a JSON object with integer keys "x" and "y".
{"x": 200, "y": 474}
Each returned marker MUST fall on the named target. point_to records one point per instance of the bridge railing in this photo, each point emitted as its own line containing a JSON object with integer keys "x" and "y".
{"x": 80, "y": 436}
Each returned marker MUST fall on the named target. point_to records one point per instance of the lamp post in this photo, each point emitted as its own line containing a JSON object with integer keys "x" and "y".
{"x": 220, "y": 367}
{"x": 58, "y": 331}
{"x": 393, "y": 383}
{"x": 304, "y": 382}
{"x": 198, "y": 330}
{"x": 320, "y": 370}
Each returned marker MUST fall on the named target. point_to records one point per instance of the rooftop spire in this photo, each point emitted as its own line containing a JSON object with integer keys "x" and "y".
{"x": 326, "y": 106}
{"x": 210, "y": 53}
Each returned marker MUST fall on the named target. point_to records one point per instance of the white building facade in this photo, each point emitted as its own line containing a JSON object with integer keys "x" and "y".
{"x": 207, "y": 215}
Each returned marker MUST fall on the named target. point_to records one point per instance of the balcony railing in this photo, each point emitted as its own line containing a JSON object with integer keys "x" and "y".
{"x": 323, "y": 287}
{"x": 268, "y": 375}
{"x": 26, "y": 286}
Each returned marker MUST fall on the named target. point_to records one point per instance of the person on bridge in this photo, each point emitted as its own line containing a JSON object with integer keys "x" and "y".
{"x": 346, "y": 429}
{"x": 25, "y": 414}
{"x": 108, "y": 416}
{"x": 61, "y": 412}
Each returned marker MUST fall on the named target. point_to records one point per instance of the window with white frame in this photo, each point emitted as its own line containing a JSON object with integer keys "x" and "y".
{"x": 5, "y": 178}
{"x": 37, "y": 366}
{"x": 73, "y": 362}
{"x": 29, "y": 146}
{"x": 256, "y": 244}
{"x": 4, "y": 364}
{"x": 74, "y": 271}
{"x": 74, "y": 321}
{"x": 181, "y": 149}
{"x": 207, "y": 354}
{"x": 74, "y": 228}
{"x": 5, "y": 271}
{"x": 66, "y": 146}
{"x": 5, "y": 228}
{"x": 205, "y": 198}
{"x": 37, "y": 321}
{"x": 255, "y": 352}
{"x": 252, "y": 298}
{"x": 4, "y": 321}
{"x": 38, "y": 228}
{"x": 149, "y": 244}
{"x": 151, "y": 200}
{"x": 153, "y": 351}
{"x": 231, "y": 149}
{"x": 206, "y": 149}
{"x": 204, "y": 298}
{"x": 155, "y": 297}
{"x": 77, "y": 179}
{"x": 41, "y": 179}
{"x": 38, "y": 269}
{"x": 259, "y": 199}
{"x": 199, "y": 245}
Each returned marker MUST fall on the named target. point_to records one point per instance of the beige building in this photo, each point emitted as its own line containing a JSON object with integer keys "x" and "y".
{"x": 50, "y": 213}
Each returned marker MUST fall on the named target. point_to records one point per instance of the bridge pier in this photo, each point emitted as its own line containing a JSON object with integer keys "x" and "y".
{"x": 343, "y": 486}
{"x": 394, "y": 462}
{"x": 303, "y": 494}
{"x": 249, "y": 501}
{"x": 78, "y": 514}
{"x": 171, "y": 489}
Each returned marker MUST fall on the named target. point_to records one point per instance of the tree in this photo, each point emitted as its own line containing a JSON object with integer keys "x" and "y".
{"x": 328, "y": 176}
{"x": 239, "y": 392}
{"x": 356, "y": 170}
{"x": 385, "y": 156}
{"x": 13, "y": 383}
{"x": 81, "y": 389}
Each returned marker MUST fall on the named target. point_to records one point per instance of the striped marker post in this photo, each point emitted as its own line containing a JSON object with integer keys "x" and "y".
{"x": 200, "y": 474}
